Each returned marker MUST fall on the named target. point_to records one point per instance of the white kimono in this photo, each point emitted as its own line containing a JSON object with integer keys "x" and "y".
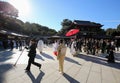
{"x": 55, "y": 46}
{"x": 40, "y": 45}
{"x": 72, "y": 49}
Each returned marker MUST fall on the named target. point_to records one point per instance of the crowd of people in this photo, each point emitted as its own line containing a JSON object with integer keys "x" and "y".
{"x": 94, "y": 47}
{"x": 13, "y": 43}
{"x": 87, "y": 45}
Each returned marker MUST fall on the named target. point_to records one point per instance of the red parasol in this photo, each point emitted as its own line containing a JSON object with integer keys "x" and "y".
{"x": 72, "y": 32}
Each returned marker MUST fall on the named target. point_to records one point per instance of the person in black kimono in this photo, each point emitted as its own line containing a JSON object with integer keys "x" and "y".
{"x": 111, "y": 57}
{"x": 31, "y": 55}
{"x": 11, "y": 45}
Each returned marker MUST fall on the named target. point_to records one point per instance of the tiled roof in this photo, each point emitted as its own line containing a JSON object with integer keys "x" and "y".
{"x": 86, "y": 23}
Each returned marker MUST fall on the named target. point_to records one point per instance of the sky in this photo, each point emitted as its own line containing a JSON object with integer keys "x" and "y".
{"x": 51, "y": 13}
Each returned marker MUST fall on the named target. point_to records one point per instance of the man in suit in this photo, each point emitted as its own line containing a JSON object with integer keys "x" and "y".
{"x": 31, "y": 55}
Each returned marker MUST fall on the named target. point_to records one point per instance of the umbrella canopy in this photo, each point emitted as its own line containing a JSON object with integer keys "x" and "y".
{"x": 72, "y": 32}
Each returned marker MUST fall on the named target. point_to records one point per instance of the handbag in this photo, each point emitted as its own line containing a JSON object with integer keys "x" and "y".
{"x": 55, "y": 53}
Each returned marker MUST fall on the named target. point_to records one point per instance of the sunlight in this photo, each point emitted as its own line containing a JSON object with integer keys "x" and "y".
{"x": 23, "y": 6}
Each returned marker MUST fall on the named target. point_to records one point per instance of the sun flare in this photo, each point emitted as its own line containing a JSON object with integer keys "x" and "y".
{"x": 23, "y": 6}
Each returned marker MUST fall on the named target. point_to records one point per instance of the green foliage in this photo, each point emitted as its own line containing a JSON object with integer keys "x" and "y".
{"x": 118, "y": 27}
{"x": 8, "y": 21}
{"x": 109, "y": 31}
{"x": 112, "y": 32}
{"x": 7, "y": 9}
{"x": 16, "y": 25}
{"x": 101, "y": 31}
{"x": 66, "y": 24}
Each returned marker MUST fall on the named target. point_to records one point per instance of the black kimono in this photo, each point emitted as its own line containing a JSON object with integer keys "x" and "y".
{"x": 111, "y": 56}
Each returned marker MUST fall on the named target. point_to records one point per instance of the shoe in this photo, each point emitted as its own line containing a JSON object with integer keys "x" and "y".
{"x": 61, "y": 73}
{"x": 27, "y": 70}
{"x": 40, "y": 52}
{"x": 39, "y": 67}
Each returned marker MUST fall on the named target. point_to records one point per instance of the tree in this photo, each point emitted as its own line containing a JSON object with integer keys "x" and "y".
{"x": 101, "y": 32}
{"x": 110, "y": 31}
{"x": 117, "y": 32}
{"x": 8, "y": 21}
{"x": 118, "y": 27}
{"x": 6, "y": 9}
{"x": 66, "y": 24}
{"x": 37, "y": 29}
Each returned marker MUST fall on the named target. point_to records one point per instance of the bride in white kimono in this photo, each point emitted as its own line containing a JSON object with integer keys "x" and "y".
{"x": 40, "y": 46}
{"x": 72, "y": 48}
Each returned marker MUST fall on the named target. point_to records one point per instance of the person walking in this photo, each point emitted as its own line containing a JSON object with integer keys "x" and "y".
{"x": 31, "y": 55}
{"x": 40, "y": 45}
{"x": 61, "y": 55}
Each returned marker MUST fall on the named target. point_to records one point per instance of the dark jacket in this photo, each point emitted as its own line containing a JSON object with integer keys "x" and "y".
{"x": 32, "y": 52}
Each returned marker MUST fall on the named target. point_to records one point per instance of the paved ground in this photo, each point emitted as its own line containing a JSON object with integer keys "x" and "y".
{"x": 81, "y": 69}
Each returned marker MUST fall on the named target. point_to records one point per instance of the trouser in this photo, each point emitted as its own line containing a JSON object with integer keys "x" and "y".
{"x": 61, "y": 63}
{"x": 31, "y": 61}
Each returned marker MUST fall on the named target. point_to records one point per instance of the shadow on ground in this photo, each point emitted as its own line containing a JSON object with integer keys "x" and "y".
{"x": 3, "y": 69}
{"x": 47, "y": 56}
{"x": 70, "y": 79}
{"x": 117, "y": 56}
{"x": 99, "y": 60}
{"x": 38, "y": 79}
{"x": 72, "y": 60}
{"x": 5, "y": 55}
{"x": 39, "y": 57}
